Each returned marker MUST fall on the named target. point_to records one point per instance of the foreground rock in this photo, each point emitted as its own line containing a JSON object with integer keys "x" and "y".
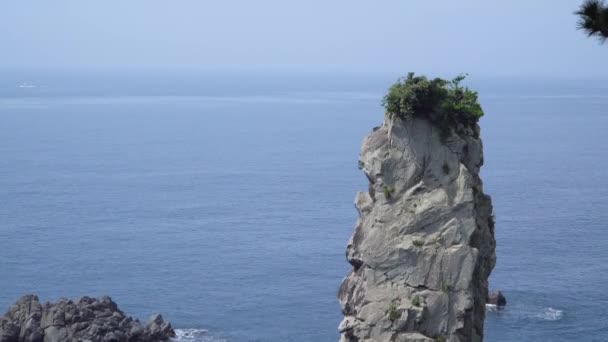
{"x": 88, "y": 319}
{"x": 423, "y": 245}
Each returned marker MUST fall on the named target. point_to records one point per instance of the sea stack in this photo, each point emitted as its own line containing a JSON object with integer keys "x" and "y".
{"x": 423, "y": 246}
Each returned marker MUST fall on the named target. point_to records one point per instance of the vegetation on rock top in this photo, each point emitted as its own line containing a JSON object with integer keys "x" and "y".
{"x": 446, "y": 103}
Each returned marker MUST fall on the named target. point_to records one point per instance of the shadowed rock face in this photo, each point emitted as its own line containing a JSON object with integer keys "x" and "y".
{"x": 88, "y": 319}
{"x": 423, "y": 246}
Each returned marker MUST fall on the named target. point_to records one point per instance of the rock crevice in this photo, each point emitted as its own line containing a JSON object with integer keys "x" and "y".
{"x": 423, "y": 245}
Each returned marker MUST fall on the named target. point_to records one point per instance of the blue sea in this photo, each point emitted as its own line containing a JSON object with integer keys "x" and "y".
{"x": 225, "y": 202}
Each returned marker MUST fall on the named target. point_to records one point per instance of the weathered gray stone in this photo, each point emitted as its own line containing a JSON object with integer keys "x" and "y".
{"x": 423, "y": 246}
{"x": 89, "y": 319}
{"x": 157, "y": 327}
{"x": 9, "y": 331}
{"x": 27, "y": 310}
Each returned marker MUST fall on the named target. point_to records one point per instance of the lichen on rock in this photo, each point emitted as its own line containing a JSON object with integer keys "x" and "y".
{"x": 421, "y": 252}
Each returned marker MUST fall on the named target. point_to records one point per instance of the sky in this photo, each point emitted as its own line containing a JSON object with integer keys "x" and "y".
{"x": 482, "y": 37}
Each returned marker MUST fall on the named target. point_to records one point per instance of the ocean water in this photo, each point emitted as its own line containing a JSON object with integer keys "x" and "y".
{"x": 226, "y": 202}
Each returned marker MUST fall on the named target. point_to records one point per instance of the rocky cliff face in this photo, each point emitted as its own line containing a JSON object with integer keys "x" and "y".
{"x": 88, "y": 319}
{"x": 423, "y": 246}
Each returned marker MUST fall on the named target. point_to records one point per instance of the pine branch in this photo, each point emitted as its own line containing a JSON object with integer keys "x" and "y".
{"x": 593, "y": 19}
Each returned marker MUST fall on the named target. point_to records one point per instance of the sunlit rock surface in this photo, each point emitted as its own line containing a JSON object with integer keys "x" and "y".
{"x": 423, "y": 246}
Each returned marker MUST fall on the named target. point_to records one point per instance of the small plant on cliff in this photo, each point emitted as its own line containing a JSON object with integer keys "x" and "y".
{"x": 388, "y": 192}
{"x": 418, "y": 243}
{"x": 440, "y": 339}
{"x": 392, "y": 312}
{"x": 445, "y": 103}
{"x": 416, "y": 301}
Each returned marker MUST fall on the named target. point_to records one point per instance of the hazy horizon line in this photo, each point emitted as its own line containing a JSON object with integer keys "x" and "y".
{"x": 274, "y": 73}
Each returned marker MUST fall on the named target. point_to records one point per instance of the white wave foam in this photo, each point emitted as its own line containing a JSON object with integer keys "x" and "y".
{"x": 491, "y": 307}
{"x": 551, "y": 314}
{"x": 195, "y": 335}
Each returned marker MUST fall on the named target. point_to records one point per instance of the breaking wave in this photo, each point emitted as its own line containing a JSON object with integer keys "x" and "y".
{"x": 551, "y": 314}
{"x": 195, "y": 335}
{"x": 526, "y": 312}
{"x": 491, "y": 307}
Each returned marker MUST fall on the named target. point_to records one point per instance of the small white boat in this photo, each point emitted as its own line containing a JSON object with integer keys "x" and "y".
{"x": 26, "y": 85}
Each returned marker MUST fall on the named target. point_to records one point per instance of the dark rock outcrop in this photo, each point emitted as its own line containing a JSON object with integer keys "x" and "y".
{"x": 497, "y": 298}
{"x": 88, "y": 319}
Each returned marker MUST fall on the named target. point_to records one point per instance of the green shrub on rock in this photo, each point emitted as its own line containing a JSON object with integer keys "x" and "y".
{"x": 447, "y": 104}
{"x": 418, "y": 243}
{"x": 392, "y": 312}
{"x": 416, "y": 301}
{"x": 388, "y": 192}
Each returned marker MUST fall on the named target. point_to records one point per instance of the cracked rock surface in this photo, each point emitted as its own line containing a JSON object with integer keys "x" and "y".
{"x": 423, "y": 246}
{"x": 87, "y": 320}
